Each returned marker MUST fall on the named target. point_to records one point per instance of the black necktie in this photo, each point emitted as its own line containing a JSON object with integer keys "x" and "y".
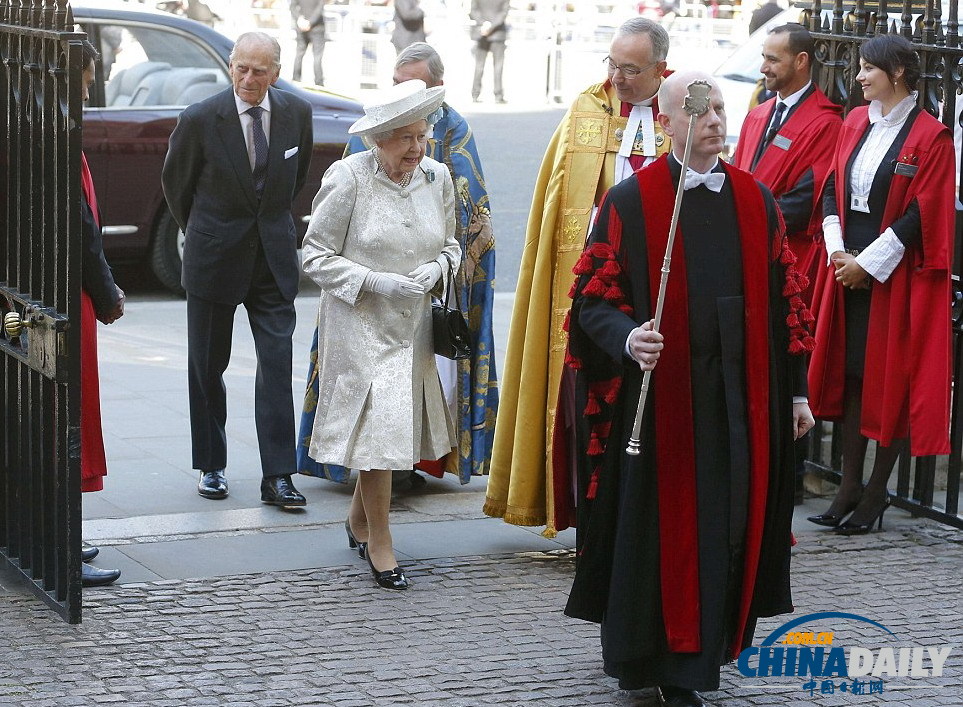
{"x": 260, "y": 149}
{"x": 776, "y": 121}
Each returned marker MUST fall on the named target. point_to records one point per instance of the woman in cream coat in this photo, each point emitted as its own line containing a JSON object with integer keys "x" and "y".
{"x": 381, "y": 241}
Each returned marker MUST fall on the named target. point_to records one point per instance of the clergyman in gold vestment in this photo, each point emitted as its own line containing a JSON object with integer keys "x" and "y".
{"x": 609, "y": 131}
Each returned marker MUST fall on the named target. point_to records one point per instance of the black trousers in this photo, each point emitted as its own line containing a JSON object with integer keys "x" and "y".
{"x": 209, "y": 329}
{"x": 497, "y": 49}
{"x": 314, "y": 37}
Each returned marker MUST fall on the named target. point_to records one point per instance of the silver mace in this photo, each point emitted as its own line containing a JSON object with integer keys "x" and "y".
{"x": 696, "y": 103}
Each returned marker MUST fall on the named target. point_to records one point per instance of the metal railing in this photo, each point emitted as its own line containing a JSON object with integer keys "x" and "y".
{"x": 40, "y": 134}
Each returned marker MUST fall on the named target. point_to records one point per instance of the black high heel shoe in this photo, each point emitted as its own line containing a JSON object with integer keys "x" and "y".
{"x": 850, "y": 528}
{"x": 389, "y": 579}
{"x": 353, "y": 542}
{"x": 829, "y": 520}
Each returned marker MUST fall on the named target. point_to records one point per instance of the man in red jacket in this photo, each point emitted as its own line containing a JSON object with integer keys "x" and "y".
{"x": 787, "y": 142}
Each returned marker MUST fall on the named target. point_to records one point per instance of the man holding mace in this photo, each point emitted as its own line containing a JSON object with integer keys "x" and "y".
{"x": 682, "y": 547}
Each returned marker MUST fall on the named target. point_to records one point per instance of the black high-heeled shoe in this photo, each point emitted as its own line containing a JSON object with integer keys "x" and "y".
{"x": 389, "y": 579}
{"x": 850, "y": 528}
{"x": 830, "y": 520}
{"x": 353, "y": 542}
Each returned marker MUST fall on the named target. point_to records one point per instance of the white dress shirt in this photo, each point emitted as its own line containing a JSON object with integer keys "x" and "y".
{"x": 880, "y": 257}
{"x": 247, "y": 123}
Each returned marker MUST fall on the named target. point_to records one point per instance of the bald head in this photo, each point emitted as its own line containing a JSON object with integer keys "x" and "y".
{"x": 709, "y": 136}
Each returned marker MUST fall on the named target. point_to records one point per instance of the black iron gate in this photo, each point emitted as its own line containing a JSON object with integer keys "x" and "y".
{"x": 40, "y": 130}
{"x": 933, "y": 26}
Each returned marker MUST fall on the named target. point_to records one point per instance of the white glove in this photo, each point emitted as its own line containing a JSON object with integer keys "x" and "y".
{"x": 426, "y": 275}
{"x": 392, "y": 285}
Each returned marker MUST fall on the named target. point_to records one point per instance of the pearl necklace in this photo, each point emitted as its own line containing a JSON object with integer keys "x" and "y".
{"x": 405, "y": 176}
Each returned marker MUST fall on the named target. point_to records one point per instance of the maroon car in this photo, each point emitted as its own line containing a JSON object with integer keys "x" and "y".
{"x": 153, "y": 64}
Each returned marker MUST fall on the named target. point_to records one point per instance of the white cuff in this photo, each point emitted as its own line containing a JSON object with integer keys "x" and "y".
{"x": 800, "y": 399}
{"x": 626, "y": 348}
{"x": 881, "y": 257}
{"x": 832, "y": 236}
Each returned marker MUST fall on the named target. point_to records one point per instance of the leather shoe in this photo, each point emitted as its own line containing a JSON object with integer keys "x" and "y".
{"x": 680, "y": 697}
{"x": 88, "y": 552}
{"x": 279, "y": 491}
{"x": 95, "y": 577}
{"x": 212, "y": 484}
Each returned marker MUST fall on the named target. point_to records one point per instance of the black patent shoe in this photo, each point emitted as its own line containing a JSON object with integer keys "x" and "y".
{"x": 88, "y": 552}
{"x": 279, "y": 491}
{"x": 353, "y": 542}
{"x": 680, "y": 697}
{"x": 212, "y": 484}
{"x": 831, "y": 520}
{"x": 389, "y": 579}
{"x": 95, "y": 577}
{"x": 851, "y": 528}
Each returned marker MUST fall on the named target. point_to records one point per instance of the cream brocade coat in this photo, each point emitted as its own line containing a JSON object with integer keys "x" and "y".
{"x": 380, "y": 402}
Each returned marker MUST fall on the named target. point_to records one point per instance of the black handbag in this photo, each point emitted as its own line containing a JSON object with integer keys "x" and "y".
{"x": 449, "y": 328}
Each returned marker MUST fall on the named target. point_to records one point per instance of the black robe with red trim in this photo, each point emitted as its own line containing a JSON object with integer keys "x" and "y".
{"x": 682, "y": 548}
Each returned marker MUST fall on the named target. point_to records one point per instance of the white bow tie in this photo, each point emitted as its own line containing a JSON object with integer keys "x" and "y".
{"x": 712, "y": 180}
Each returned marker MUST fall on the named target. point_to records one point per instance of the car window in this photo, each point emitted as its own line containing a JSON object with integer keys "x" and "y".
{"x": 152, "y": 67}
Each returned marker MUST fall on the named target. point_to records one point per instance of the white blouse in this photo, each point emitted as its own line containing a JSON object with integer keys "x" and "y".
{"x": 880, "y": 257}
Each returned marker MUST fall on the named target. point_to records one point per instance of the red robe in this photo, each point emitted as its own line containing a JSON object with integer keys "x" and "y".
{"x": 812, "y": 129}
{"x": 908, "y": 342}
{"x": 93, "y": 459}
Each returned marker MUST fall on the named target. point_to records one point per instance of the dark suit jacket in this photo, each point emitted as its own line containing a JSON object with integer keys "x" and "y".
{"x": 494, "y": 11}
{"x": 311, "y": 10}
{"x": 96, "y": 279}
{"x": 209, "y": 188}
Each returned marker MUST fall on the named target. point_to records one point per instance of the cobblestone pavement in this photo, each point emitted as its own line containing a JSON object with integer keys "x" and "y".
{"x": 472, "y": 631}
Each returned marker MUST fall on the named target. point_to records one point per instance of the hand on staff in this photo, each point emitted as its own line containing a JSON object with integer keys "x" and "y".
{"x": 849, "y": 273}
{"x": 645, "y": 345}
{"x": 802, "y": 419}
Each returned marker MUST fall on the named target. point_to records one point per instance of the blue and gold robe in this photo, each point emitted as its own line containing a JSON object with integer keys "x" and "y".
{"x": 477, "y": 385}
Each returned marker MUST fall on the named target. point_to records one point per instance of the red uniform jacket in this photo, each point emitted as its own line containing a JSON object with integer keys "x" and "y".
{"x": 811, "y": 132}
{"x": 908, "y": 345}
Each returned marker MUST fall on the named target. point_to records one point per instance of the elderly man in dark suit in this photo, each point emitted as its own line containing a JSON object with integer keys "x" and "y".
{"x": 235, "y": 162}
{"x": 308, "y": 16}
{"x": 489, "y": 30}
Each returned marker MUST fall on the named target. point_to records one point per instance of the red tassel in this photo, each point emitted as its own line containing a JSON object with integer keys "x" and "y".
{"x": 807, "y": 316}
{"x": 792, "y": 540}
{"x": 614, "y": 294}
{"x": 584, "y": 265}
{"x": 792, "y": 321}
{"x": 796, "y": 346}
{"x": 786, "y": 257}
{"x": 595, "y": 447}
{"x": 611, "y": 395}
{"x": 611, "y": 269}
{"x": 593, "y": 485}
{"x": 572, "y": 290}
{"x": 601, "y": 250}
{"x": 571, "y": 361}
{"x": 791, "y": 288}
{"x": 796, "y": 304}
{"x": 802, "y": 280}
{"x": 626, "y": 309}
{"x": 568, "y": 319}
{"x": 595, "y": 288}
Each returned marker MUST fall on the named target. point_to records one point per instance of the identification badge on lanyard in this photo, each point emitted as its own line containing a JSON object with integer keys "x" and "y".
{"x": 859, "y": 203}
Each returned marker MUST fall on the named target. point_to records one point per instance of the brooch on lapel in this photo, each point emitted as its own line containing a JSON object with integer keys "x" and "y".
{"x": 430, "y": 175}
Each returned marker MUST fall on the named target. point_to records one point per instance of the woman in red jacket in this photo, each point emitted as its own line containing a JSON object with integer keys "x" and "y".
{"x": 882, "y": 305}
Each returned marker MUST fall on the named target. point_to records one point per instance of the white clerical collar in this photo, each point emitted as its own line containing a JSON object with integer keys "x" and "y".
{"x": 242, "y": 105}
{"x": 793, "y": 98}
{"x": 897, "y": 115}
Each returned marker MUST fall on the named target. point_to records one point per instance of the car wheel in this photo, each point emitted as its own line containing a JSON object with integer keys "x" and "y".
{"x": 167, "y": 253}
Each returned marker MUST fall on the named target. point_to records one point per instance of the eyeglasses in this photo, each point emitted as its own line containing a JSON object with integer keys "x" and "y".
{"x": 629, "y": 71}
